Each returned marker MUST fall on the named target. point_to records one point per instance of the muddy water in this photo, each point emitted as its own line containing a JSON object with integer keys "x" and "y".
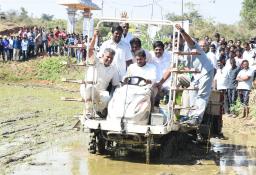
{"x": 237, "y": 156}
{"x": 69, "y": 156}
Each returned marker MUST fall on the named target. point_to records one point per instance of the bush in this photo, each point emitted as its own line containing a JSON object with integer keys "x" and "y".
{"x": 50, "y": 69}
{"x": 237, "y": 108}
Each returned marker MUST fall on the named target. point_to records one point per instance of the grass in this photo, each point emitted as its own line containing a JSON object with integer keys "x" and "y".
{"x": 47, "y": 68}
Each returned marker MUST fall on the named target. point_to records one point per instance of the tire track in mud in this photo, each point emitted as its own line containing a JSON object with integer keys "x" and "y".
{"x": 28, "y": 133}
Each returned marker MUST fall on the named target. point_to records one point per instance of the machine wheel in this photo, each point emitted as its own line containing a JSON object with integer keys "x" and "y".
{"x": 92, "y": 142}
{"x": 169, "y": 146}
{"x": 101, "y": 144}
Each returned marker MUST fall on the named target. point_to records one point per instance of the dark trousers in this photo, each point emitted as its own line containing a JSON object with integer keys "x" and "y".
{"x": 231, "y": 96}
{"x": 10, "y": 56}
{"x": 244, "y": 96}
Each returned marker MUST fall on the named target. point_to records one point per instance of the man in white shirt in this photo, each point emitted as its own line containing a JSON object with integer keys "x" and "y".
{"x": 135, "y": 44}
{"x": 141, "y": 68}
{"x": 123, "y": 56}
{"x": 221, "y": 83}
{"x": 162, "y": 60}
{"x": 212, "y": 55}
{"x": 145, "y": 70}
{"x": 245, "y": 78}
{"x": 249, "y": 54}
{"x": 127, "y": 36}
{"x": 97, "y": 79}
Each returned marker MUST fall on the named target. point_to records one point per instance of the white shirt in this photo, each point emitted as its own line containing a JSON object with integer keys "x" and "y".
{"x": 102, "y": 75}
{"x": 239, "y": 61}
{"x": 148, "y": 71}
{"x": 212, "y": 57}
{"x": 148, "y": 56}
{"x": 24, "y": 45}
{"x": 10, "y": 43}
{"x": 248, "y": 55}
{"x": 246, "y": 85}
{"x": 127, "y": 38}
{"x": 228, "y": 64}
{"x": 162, "y": 64}
{"x": 123, "y": 54}
{"x": 221, "y": 78}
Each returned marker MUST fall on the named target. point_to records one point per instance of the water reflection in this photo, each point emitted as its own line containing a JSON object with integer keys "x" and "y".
{"x": 236, "y": 159}
{"x": 72, "y": 158}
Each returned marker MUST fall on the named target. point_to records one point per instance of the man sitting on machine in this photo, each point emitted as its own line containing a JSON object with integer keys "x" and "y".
{"x": 97, "y": 79}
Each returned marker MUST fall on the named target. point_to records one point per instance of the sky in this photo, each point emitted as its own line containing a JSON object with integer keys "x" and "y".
{"x": 223, "y": 11}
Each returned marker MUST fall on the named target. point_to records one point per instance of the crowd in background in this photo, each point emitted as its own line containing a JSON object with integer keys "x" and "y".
{"x": 233, "y": 60}
{"x": 37, "y": 41}
{"x": 235, "y": 64}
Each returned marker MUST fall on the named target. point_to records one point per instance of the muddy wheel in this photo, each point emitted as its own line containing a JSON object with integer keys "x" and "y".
{"x": 92, "y": 142}
{"x": 169, "y": 146}
{"x": 148, "y": 147}
{"x": 101, "y": 144}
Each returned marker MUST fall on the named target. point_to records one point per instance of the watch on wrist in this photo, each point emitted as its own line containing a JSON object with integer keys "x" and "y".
{"x": 182, "y": 30}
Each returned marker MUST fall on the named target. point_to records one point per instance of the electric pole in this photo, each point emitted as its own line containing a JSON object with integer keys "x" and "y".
{"x": 102, "y": 6}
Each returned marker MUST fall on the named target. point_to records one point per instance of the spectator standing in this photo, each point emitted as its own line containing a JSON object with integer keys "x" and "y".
{"x": 38, "y": 41}
{"x": 16, "y": 48}
{"x": 44, "y": 40}
{"x": 1, "y": 48}
{"x": 245, "y": 78}
{"x": 221, "y": 82}
{"x": 249, "y": 54}
{"x": 24, "y": 47}
{"x": 239, "y": 57}
{"x": 10, "y": 47}
{"x": 212, "y": 55}
{"x": 232, "y": 83}
{"x": 50, "y": 44}
{"x": 5, "y": 44}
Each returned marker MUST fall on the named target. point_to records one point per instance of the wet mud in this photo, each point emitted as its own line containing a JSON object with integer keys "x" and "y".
{"x": 37, "y": 138}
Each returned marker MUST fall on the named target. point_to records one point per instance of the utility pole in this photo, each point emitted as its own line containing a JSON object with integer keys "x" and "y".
{"x": 152, "y": 9}
{"x": 102, "y": 6}
{"x": 182, "y": 13}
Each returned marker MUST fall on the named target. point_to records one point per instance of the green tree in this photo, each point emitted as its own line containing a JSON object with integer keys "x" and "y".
{"x": 248, "y": 13}
{"x": 23, "y": 13}
{"x": 47, "y": 17}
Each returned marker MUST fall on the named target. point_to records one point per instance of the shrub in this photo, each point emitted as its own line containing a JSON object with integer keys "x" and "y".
{"x": 50, "y": 69}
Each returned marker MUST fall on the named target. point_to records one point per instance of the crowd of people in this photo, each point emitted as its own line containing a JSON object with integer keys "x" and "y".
{"x": 37, "y": 41}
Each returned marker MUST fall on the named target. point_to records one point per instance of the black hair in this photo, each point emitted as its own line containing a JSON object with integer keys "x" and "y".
{"x": 245, "y": 61}
{"x": 158, "y": 44}
{"x": 117, "y": 28}
{"x": 140, "y": 53}
{"x": 135, "y": 41}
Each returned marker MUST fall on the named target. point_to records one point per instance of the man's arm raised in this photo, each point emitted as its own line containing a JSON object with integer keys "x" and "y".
{"x": 186, "y": 37}
{"x": 92, "y": 44}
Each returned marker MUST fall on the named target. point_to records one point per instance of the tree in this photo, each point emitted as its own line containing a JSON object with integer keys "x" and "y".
{"x": 248, "y": 13}
{"x": 23, "y": 13}
{"x": 47, "y": 17}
